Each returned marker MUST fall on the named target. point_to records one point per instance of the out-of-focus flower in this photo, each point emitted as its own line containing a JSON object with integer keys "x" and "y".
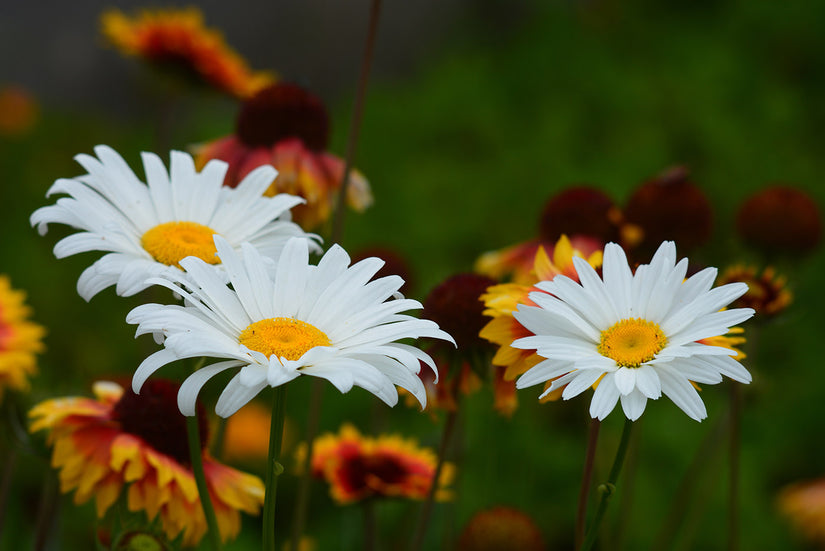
{"x": 502, "y": 300}
{"x": 359, "y": 467}
{"x": 288, "y": 127}
{"x": 517, "y": 262}
{"x": 18, "y": 111}
{"x": 246, "y": 435}
{"x": 634, "y": 336}
{"x": 580, "y": 211}
{"x": 20, "y": 339}
{"x": 119, "y": 438}
{"x": 148, "y": 229}
{"x": 768, "y": 292}
{"x": 500, "y": 529}
{"x": 669, "y": 207}
{"x": 177, "y": 40}
{"x": 780, "y": 220}
{"x": 803, "y": 504}
{"x": 327, "y": 321}
{"x": 141, "y": 541}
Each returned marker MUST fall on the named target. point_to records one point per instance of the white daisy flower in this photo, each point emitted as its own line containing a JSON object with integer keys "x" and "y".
{"x": 634, "y": 335}
{"x": 326, "y": 321}
{"x": 148, "y": 229}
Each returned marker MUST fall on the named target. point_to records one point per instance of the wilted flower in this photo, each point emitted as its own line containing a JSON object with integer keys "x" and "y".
{"x": 768, "y": 292}
{"x": 148, "y": 229}
{"x": 176, "y": 39}
{"x": 121, "y": 439}
{"x": 359, "y": 467}
{"x": 502, "y": 300}
{"x": 780, "y": 220}
{"x": 500, "y": 529}
{"x": 669, "y": 207}
{"x": 288, "y": 127}
{"x": 632, "y": 336}
{"x": 327, "y": 321}
{"x": 20, "y": 339}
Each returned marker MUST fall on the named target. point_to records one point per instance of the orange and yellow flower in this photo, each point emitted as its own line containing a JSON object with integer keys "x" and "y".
{"x": 18, "y": 111}
{"x": 20, "y": 339}
{"x": 246, "y": 435}
{"x": 768, "y": 292}
{"x": 500, "y": 528}
{"x": 177, "y": 38}
{"x": 119, "y": 438}
{"x": 502, "y": 300}
{"x": 359, "y": 467}
{"x": 285, "y": 126}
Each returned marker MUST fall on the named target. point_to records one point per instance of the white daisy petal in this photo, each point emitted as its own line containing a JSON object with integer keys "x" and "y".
{"x": 173, "y": 215}
{"x": 192, "y": 385}
{"x": 264, "y": 324}
{"x": 635, "y": 335}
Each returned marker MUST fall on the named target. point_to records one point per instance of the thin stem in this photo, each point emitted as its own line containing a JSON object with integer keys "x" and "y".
{"x": 5, "y": 483}
{"x": 196, "y": 458}
{"x": 427, "y": 507}
{"x": 368, "y": 507}
{"x": 302, "y": 499}
{"x": 46, "y": 513}
{"x": 355, "y": 122}
{"x": 273, "y": 466}
{"x": 587, "y": 477}
{"x": 733, "y": 481}
{"x": 608, "y": 488}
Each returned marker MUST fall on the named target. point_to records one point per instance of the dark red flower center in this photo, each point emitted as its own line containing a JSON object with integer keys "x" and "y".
{"x": 282, "y": 111}
{"x": 455, "y": 305}
{"x": 579, "y": 211}
{"x": 356, "y": 471}
{"x": 153, "y": 416}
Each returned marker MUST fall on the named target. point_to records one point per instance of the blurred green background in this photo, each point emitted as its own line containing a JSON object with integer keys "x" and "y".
{"x": 462, "y": 151}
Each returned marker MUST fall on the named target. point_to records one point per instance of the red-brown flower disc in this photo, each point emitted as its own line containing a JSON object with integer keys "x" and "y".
{"x": 670, "y": 208}
{"x": 281, "y": 111}
{"x": 153, "y": 415}
{"x": 780, "y": 219}
{"x": 500, "y": 529}
{"x": 579, "y": 211}
{"x": 455, "y": 305}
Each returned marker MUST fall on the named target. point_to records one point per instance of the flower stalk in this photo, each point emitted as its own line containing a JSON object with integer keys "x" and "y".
{"x": 196, "y": 458}
{"x": 273, "y": 466}
{"x": 587, "y": 477}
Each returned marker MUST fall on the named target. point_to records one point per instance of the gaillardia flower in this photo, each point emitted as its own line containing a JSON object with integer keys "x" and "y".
{"x": 288, "y": 127}
{"x": 803, "y": 504}
{"x": 634, "y": 335}
{"x": 119, "y": 438}
{"x": 503, "y": 299}
{"x": 20, "y": 339}
{"x": 359, "y": 467}
{"x": 768, "y": 292}
{"x": 176, "y": 39}
{"x": 500, "y": 528}
{"x": 327, "y": 321}
{"x": 148, "y": 229}
{"x": 780, "y": 219}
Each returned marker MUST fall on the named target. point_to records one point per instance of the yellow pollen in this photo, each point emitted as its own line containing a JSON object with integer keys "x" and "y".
{"x": 285, "y": 337}
{"x": 171, "y": 242}
{"x": 632, "y": 342}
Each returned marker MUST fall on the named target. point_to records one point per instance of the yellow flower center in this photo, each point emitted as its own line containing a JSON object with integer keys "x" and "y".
{"x": 285, "y": 337}
{"x": 171, "y": 242}
{"x": 632, "y": 342}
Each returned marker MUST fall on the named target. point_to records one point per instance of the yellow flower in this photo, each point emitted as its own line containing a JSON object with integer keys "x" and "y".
{"x": 177, "y": 38}
{"x": 359, "y": 467}
{"x": 501, "y": 301}
{"x": 20, "y": 339}
{"x": 120, "y": 438}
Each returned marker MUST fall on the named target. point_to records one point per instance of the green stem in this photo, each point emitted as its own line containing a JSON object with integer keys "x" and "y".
{"x": 302, "y": 499}
{"x": 196, "y": 458}
{"x": 733, "y": 482}
{"x": 273, "y": 467}
{"x": 587, "y": 477}
{"x": 368, "y": 506}
{"x": 608, "y": 488}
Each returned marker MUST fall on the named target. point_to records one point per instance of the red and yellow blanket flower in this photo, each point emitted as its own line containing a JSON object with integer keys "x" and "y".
{"x": 177, "y": 39}
{"x": 502, "y": 300}
{"x": 287, "y": 127}
{"x": 768, "y": 292}
{"x": 20, "y": 339}
{"x": 121, "y": 439}
{"x": 359, "y": 467}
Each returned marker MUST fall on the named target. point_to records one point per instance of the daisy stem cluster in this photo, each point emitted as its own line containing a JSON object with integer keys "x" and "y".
{"x": 608, "y": 487}
{"x": 273, "y": 466}
{"x": 195, "y": 455}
